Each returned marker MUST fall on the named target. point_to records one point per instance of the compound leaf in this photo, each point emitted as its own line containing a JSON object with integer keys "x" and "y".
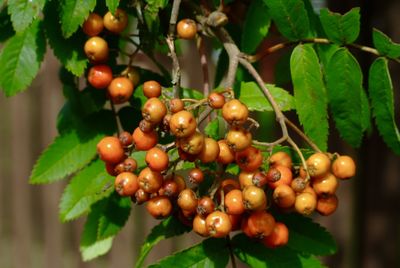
{"x": 385, "y": 45}
{"x": 257, "y": 255}
{"x": 341, "y": 29}
{"x": 20, "y": 59}
{"x": 344, "y": 86}
{"x": 73, "y": 14}
{"x": 255, "y": 27}
{"x": 381, "y": 95}
{"x": 211, "y": 253}
{"x": 290, "y": 17}
{"x": 167, "y": 228}
{"x": 68, "y": 51}
{"x": 112, "y": 5}
{"x": 252, "y": 96}
{"x": 24, "y": 12}
{"x": 73, "y": 149}
{"x": 309, "y": 93}
{"x": 85, "y": 188}
{"x": 307, "y": 236}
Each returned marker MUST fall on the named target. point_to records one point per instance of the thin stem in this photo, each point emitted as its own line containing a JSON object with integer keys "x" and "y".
{"x": 302, "y": 135}
{"x": 303, "y": 160}
{"x": 270, "y": 144}
{"x": 277, "y": 47}
{"x": 176, "y": 70}
{"x": 204, "y": 115}
{"x": 232, "y": 256}
{"x": 279, "y": 115}
{"x": 233, "y": 53}
{"x": 150, "y": 55}
{"x": 204, "y": 65}
{"x": 167, "y": 147}
{"x": 119, "y": 127}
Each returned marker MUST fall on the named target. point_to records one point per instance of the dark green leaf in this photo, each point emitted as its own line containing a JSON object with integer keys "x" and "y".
{"x": 216, "y": 128}
{"x": 315, "y": 23}
{"x": 254, "y": 254}
{"x": 309, "y": 93}
{"x": 73, "y": 149}
{"x": 105, "y": 220}
{"x": 85, "y": 188}
{"x": 290, "y": 17}
{"x": 6, "y": 29}
{"x": 385, "y": 45}
{"x": 325, "y": 52}
{"x": 381, "y": 95}
{"x": 255, "y": 27}
{"x": 151, "y": 14}
{"x": 341, "y": 29}
{"x": 167, "y": 228}
{"x": 344, "y": 85}
{"x": 252, "y": 96}
{"x": 20, "y": 59}
{"x": 282, "y": 70}
{"x": 208, "y": 254}
{"x": 112, "y": 5}
{"x": 73, "y": 14}
{"x": 307, "y": 236}
{"x": 130, "y": 117}
{"x": 366, "y": 112}
{"x": 115, "y": 213}
{"x": 68, "y": 51}
{"x": 23, "y": 12}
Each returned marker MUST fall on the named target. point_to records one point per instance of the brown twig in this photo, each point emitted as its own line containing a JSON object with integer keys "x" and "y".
{"x": 277, "y": 47}
{"x": 117, "y": 121}
{"x": 302, "y": 135}
{"x": 204, "y": 65}
{"x": 176, "y": 70}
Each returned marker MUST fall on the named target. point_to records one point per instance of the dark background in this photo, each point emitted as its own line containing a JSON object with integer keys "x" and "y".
{"x": 366, "y": 224}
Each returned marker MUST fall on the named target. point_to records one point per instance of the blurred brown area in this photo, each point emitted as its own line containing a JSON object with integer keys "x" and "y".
{"x": 366, "y": 224}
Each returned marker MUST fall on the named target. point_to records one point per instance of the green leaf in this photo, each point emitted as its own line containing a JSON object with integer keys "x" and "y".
{"x": 115, "y": 213}
{"x": 344, "y": 86}
{"x": 252, "y": 96}
{"x": 85, "y": 188}
{"x": 216, "y": 128}
{"x": 341, "y": 29}
{"x": 307, "y": 236}
{"x": 385, "y": 45}
{"x": 73, "y": 14}
{"x": 167, "y": 228}
{"x": 381, "y": 94}
{"x": 309, "y": 93}
{"x": 96, "y": 249}
{"x": 20, "y": 59}
{"x": 290, "y": 17}
{"x": 210, "y": 253}
{"x": 112, "y": 5}
{"x": 255, "y": 27}
{"x": 23, "y": 12}
{"x": 151, "y": 15}
{"x": 257, "y": 255}
{"x": 105, "y": 220}
{"x": 73, "y": 149}
{"x": 68, "y": 51}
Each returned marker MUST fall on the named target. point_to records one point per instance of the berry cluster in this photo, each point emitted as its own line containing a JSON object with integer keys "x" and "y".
{"x": 100, "y": 75}
{"x": 264, "y": 184}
